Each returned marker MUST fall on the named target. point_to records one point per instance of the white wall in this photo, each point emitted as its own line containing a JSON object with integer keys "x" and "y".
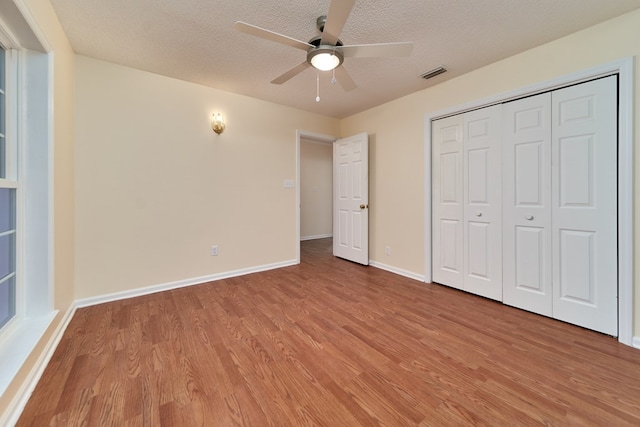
{"x": 156, "y": 187}
{"x": 316, "y": 189}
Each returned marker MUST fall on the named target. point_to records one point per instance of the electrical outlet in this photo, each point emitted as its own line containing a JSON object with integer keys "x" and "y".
{"x": 387, "y": 250}
{"x": 214, "y": 250}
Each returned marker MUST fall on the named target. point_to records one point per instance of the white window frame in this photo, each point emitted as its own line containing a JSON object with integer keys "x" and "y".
{"x": 31, "y": 133}
{"x": 11, "y": 179}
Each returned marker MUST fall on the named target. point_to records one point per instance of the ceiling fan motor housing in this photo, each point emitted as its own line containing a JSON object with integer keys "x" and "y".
{"x": 324, "y": 49}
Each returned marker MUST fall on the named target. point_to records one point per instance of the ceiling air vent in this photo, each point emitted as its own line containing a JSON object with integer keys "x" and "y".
{"x": 432, "y": 73}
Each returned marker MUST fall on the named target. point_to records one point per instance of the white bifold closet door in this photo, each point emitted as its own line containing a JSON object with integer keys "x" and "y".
{"x": 526, "y": 219}
{"x": 560, "y": 204}
{"x": 482, "y": 203}
{"x": 466, "y": 210}
{"x": 447, "y": 206}
{"x": 584, "y": 204}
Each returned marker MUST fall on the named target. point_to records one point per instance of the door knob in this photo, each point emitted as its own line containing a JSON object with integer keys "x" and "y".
{"x": 528, "y": 217}
{"x": 478, "y": 213}
{"x": 364, "y": 206}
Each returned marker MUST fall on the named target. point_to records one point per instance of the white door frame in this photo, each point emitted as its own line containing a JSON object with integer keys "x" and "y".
{"x": 316, "y": 137}
{"x": 624, "y": 69}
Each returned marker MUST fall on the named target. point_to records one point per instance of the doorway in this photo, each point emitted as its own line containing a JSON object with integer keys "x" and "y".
{"x": 316, "y": 198}
{"x": 314, "y": 192}
{"x": 349, "y": 194}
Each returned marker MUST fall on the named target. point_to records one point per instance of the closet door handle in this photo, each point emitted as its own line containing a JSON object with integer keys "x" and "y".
{"x": 528, "y": 217}
{"x": 478, "y": 213}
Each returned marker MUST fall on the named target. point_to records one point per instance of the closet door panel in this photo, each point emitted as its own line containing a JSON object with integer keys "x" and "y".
{"x": 528, "y": 168}
{"x": 482, "y": 205}
{"x": 447, "y": 209}
{"x": 530, "y": 247}
{"x": 584, "y": 210}
{"x": 526, "y": 214}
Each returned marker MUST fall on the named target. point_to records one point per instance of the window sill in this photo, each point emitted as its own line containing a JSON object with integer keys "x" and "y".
{"x": 16, "y": 347}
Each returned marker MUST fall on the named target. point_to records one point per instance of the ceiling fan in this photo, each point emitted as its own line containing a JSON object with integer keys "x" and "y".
{"x": 326, "y": 52}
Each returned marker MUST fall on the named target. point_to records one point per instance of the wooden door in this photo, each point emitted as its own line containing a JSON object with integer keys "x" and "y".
{"x": 351, "y": 198}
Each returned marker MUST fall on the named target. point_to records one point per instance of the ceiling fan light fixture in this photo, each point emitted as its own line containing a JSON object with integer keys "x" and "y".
{"x": 325, "y": 58}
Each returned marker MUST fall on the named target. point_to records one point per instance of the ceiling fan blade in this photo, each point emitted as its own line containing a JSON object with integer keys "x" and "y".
{"x": 291, "y": 73}
{"x": 270, "y": 35}
{"x": 345, "y": 79}
{"x": 339, "y": 11}
{"x": 377, "y": 49}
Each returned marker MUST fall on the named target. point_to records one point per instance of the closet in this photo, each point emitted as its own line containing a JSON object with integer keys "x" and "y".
{"x": 524, "y": 203}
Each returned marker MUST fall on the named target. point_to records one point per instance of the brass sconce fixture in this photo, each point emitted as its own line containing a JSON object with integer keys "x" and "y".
{"x": 217, "y": 123}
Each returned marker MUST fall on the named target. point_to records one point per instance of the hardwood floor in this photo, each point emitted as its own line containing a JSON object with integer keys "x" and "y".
{"x": 330, "y": 343}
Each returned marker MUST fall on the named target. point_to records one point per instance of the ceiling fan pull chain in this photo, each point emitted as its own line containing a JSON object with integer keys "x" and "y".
{"x": 318, "y": 87}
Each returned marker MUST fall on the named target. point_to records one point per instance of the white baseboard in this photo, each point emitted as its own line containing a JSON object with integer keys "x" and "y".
{"x": 636, "y": 342}
{"x": 86, "y": 302}
{"x": 396, "y": 270}
{"x": 319, "y": 236}
{"x": 16, "y": 406}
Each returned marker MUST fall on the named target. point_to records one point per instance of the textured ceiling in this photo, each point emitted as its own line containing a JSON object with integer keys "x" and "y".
{"x": 194, "y": 40}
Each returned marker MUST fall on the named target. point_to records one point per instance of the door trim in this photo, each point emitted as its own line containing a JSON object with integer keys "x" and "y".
{"x": 624, "y": 69}
{"x": 316, "y": 137}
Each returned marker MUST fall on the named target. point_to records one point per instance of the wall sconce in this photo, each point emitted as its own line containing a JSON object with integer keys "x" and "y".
{"x": 217, "y": 123}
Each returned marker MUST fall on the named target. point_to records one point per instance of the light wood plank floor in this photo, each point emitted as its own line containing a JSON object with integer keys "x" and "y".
{"x": 330, "y": 343}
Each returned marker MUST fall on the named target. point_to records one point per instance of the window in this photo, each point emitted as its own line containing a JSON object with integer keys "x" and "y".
{"x": 3, "y": 139}
{"x": 8, "y": 188}
{"x": 7, "y": 256}
{"x": 26, "y": 218}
